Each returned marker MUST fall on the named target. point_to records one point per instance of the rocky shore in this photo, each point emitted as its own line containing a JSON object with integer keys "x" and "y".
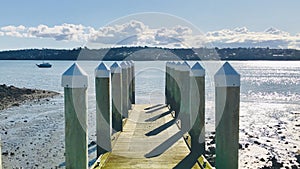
{"x": 14, "y": 96}
{"x": 272, "y": 160}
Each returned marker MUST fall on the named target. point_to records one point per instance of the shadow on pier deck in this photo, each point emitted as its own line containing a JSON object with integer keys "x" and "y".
{"x": 150, "y": 139}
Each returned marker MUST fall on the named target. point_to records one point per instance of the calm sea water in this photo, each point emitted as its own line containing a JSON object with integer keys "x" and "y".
{"x": 261, "y": 81}
{"x": 270, "y": 95}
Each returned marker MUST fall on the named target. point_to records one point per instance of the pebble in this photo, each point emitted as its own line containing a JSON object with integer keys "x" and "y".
{"x": 5, "y": 153}
{"x": 256, "y": 142}
{"x": 298, "y": 158}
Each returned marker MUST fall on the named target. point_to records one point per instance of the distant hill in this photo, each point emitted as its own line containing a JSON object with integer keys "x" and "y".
{"x": 152, "y": 53}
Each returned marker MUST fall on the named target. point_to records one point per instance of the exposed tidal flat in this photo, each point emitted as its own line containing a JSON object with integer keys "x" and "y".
{"x": 32, "y": 134}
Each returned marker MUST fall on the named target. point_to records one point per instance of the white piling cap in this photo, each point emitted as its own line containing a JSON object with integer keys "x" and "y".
{"x": 177, "y": 66}
{"x": 197, "y": 70}
{"x": 131, "y": 63}
{"x": 115, "y": 68}
{"x": 128, "y": 63}
{"x": 74, "y": 77}
{"x": 172, "y": 65}
{"x": 184, "y": 66}
{"x": 102, "y": 71}
{"x": 124, "y": 65}
{"x": 227, "y": 76}
{"x": 169, "y": 64}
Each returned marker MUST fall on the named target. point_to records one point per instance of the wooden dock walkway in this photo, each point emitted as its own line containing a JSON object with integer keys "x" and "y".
{"x": 150, "y": 139}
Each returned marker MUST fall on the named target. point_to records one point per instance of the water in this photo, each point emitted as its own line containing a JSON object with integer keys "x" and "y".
{"x": 269, "y": 109}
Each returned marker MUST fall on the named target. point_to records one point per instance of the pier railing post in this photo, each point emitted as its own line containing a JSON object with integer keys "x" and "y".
{"x": 172, "y": 85}
{"x": 103, "y": 113}
{"x": 124, "y": 90}
{"x": 197, "y": 102}
{"x": 167, "y": 84}
{"x": 0, "y": 153}
{"x": 129, "y": 72}
{"x": 176, "y": 93}
{"x": 133, "y": 82}
{"x": 227, "y": 96}
{"x": 116, "y": 91}
{"x": 184, "y": 81}
{"x": 75, "y": 83}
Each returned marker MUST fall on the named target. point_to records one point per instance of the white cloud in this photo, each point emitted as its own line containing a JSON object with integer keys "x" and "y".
{"x": 11, "y": 28}
{"x": 15, "y": 31}
{"x": 136, "y": 33}
{"x": 238, "y": 37}
{"x": 68, "y": 32}
{"x": 119, "y": 34}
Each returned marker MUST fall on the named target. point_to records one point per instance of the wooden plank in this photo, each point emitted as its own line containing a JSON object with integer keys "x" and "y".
{"x": 132, "y": 144}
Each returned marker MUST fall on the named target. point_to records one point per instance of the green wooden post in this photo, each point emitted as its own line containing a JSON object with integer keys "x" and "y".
{"x": 227, "y": 82}
{"x": 129, "y": 71}
{"x": 116, "y": 91}
{"x": 124, "y": 90}
{"x": 167, "y": 85}
{"x": 176, "y": 94}
{"x": 172, "y": 85}
{"x": 197, "y": 102}
{"x": 103, "y": 113}
{"x": 75, "y": 83}
{"x": 184, "y": 86}
{"x": 0, "y": 154}
{"x": 133, "y": 82}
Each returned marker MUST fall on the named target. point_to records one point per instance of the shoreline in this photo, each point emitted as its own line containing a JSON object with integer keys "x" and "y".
{"x": 11, "y": 96}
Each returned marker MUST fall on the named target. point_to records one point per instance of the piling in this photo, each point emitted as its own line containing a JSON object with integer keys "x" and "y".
{"x": 227, "y": 95}
{"x": 176, "y": 89}
{"x": 124, "y": 90}
{"x": 167, "y": 85}
{"x": 75, "y": 83}
{"x": 184, "y": 90}
{"x": 116, "y": 91}
{"x": 103, "y": 113}
{"x": 133, "y": 82}
{"x": 129, "y": 73}
{"x": 0, "y": 153}
{"x": 197, "y": 102}
{"x": 172, "y": 84}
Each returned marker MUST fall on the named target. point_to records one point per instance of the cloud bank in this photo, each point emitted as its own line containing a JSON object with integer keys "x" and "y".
{"x": 136, "y": 33}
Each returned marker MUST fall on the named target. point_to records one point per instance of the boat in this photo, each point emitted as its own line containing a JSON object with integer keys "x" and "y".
{"x": 44, "y": 65}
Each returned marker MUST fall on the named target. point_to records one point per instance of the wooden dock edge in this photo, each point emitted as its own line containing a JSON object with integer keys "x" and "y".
{"x": 100, "y": 161}
{"x": 201, "y": 160}
{"x": 102, "y": 158}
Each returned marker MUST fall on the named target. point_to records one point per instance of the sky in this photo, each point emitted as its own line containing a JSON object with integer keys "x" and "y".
{"x": 167, "y": 23}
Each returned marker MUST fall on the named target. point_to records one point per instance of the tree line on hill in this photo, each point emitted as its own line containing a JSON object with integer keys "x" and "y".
{"x": 152, "y": 53}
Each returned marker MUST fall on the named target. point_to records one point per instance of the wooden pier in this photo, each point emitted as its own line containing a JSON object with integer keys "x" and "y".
{"x": 170, "y": 135}
{"x": 150, "y": 139}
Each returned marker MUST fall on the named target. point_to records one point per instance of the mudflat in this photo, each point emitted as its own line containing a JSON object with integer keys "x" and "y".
{"x": 14, "y": 96}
